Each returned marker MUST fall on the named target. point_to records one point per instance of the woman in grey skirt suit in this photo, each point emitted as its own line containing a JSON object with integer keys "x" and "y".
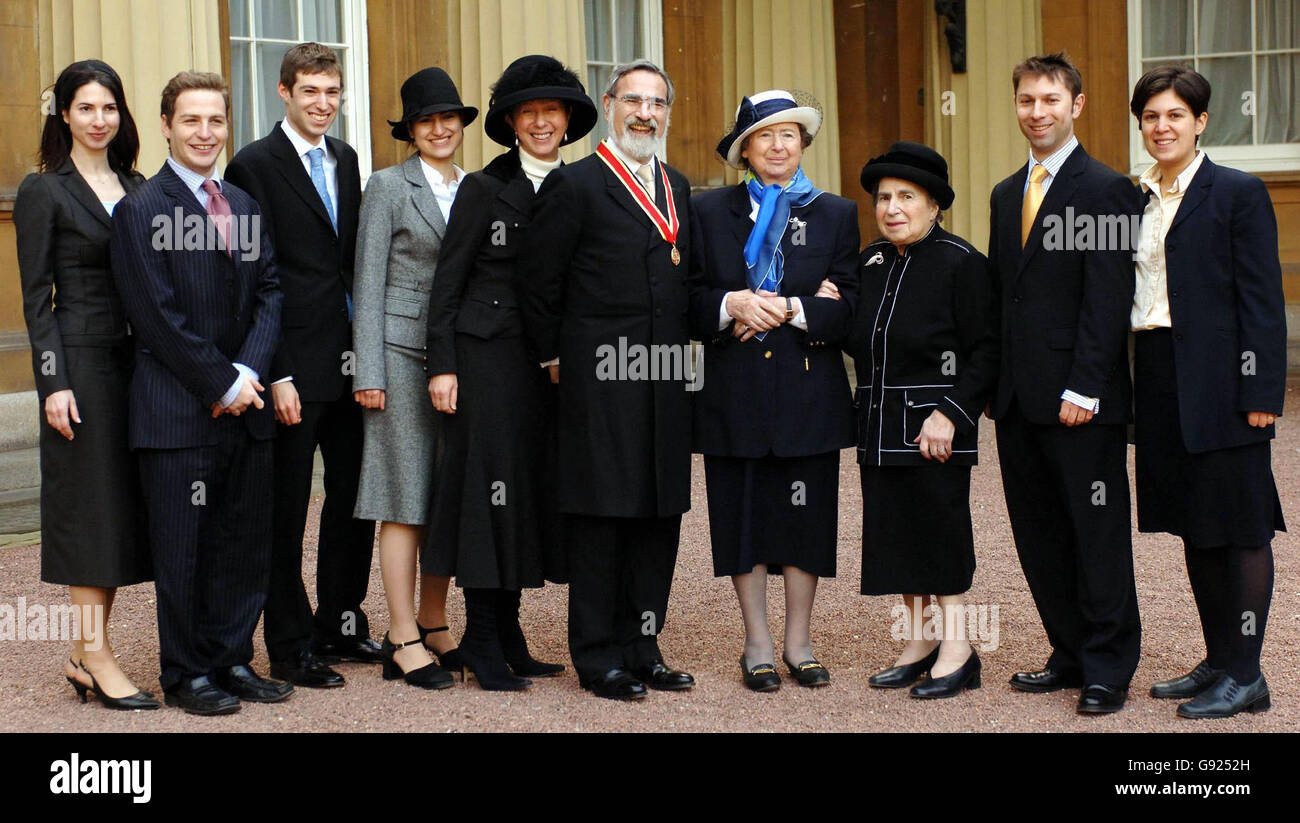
{"x": 403, "y": 221}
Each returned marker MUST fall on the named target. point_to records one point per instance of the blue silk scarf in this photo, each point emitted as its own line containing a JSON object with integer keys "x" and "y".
{"x": 764, "y": 261}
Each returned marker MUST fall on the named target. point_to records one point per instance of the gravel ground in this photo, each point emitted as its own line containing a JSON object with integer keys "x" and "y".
{"x": 703, "y": 635}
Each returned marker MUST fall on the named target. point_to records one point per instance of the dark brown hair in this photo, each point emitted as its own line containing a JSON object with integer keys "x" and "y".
{"x": 308, "y": 58}
{"x": 1192, "y": 88}
{"x": 192, "y": 81}
{"x": 1056, "y": 66}
{"x": 56, "y": 137}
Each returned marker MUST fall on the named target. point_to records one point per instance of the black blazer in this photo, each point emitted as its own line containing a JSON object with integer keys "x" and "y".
{"x": 925, "y": 337}
{"x": 193, "y": 312}
{"x": 597, "y": 285}
{"x": 1065, "y": 312}
{"x": 1227, "y": 308}
{"x": 69, "y": 298}
{"x": 313, "y": 263}
{"x": 475, "y": 290}
{"x": 788, "y": 394}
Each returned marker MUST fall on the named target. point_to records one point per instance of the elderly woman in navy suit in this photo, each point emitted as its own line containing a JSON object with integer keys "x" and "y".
{"x": 775, "y": 408}
{"x": 403, "y": 222}
{"x": 925, "y": 349}
{"x": 1209, "y": 380}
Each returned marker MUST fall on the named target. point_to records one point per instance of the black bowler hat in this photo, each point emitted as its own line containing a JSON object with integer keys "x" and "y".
{"x": 429, "y": 91}
{"x": 915, "y": 162}
{"x": 538, "y": 77}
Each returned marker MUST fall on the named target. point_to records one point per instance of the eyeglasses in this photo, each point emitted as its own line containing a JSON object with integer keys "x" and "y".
{"x": 635, "y": 101}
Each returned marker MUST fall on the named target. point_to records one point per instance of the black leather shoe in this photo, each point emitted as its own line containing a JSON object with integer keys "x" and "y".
{"x": 199, "y": 695}
{"x": 760, "y": 678}
{"x": 896, "y": 677}
{"x": 1227, "y": 697}
{"x": 1046, "y": 680}
{"x": 1189, "y": 685}
{"x": 950, "y": 685}
{"x": 617, "y": 684}
{"x": 306, "y": 671}
{"x": 245, "y": 684}
{"x": 661, "y": 678}
{"x": 808, "y": 673}
{"x": 348, "y": 650}
{"x": 1098, "y": 698}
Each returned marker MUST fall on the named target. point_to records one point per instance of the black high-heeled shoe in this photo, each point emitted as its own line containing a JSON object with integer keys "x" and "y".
{"x": 896, "y": 677}
{"x": 450, "y": 659}
{"x": 513, "y": 644}
{"x": 967, "y": 676}
{"x": 428, "y": 676}
{"x": 139, "y": 700}
{"x": 480, "y": 648}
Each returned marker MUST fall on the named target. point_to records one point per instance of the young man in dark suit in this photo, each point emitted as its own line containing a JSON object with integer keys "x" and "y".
{"x": 608, "y": 249}
{"x": 197, "y": 279}
{"x": 309, "y": 190}
{"x": 1063, "y": 395}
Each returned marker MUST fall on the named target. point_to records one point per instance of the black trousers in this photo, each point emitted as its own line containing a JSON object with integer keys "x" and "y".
{"x": 620, "y": 573}
{"x": 1068, "y": 498}
{"x": 210, "y": 540}
{"x": 345, "y": 544}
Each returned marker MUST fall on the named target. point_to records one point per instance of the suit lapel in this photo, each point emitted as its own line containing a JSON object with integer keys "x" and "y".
{"x": 1009, "y": 208}
{"x": 422, "y": 195}
{"x": 518, "y": 193}
{"x": 624, "y": 198}
{"x": 83, "y": 193}
{"x": 740, "y": 206}
{"x": 1063, "y": 187}
{"x": 178, "y": 191}
{"x": 348, "y": 180}
{"x": 1197, "y": 190}
{"x": 290, "y": 167}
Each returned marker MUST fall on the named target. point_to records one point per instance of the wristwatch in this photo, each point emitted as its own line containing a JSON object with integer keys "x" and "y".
{"x": 789, "y": 310}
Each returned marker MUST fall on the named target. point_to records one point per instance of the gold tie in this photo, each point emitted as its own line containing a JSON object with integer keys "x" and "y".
{"x": 646, "y": 174}
{"x": 1033, "y": 199}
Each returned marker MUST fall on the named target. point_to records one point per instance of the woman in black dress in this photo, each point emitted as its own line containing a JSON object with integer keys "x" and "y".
{"x": 1209, "y": 382}
{"x": 93, "y": 536}
{"x": 774, "y": 408}
{"x": 493, "y": 522}
{"x": 925, "y": 348}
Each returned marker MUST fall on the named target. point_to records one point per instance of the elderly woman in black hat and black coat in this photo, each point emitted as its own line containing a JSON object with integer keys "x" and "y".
{"x": 494, "y": 523}
{"x": 774, "y": 408}
{"x": 402, "y": 228}
{"x": 925, "y": 348}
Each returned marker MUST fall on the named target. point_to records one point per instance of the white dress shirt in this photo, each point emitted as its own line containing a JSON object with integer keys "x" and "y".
{"x": 444, "y": 191}
{"x": 1151, "y": 297}
{"x": 329, "y": 162}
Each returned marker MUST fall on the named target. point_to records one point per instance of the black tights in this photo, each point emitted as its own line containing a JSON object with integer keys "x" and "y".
{"x": 1232, "y": 585}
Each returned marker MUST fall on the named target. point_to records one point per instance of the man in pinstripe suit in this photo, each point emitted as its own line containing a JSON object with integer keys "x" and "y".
{"x": 204, "y": 306}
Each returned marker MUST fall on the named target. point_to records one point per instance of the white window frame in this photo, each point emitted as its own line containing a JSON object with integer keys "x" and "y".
{"x": 1260, "y": 157}
{"x": 652, "y": 26}
{"x": 356, "y": 75}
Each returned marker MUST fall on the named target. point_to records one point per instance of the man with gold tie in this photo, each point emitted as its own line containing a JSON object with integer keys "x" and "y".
{"x": 1063, "y": 394}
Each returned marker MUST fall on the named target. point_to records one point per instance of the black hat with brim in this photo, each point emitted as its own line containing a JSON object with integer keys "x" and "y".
{"x": 538, "y": 77}
{"x": 914, "y": 162}
{"x": 429, "y": 91}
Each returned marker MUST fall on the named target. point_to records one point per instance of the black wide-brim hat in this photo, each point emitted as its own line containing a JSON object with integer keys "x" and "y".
{"x": 538, "y": 77}
{"x": 429, "y": 91}
{"x": 914, "y": 162}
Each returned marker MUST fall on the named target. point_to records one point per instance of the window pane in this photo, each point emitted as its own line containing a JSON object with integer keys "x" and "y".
{"x": 277, "y": 19}
{"x": 238, "y": 18}
{"x": 599, "y": 46}
{"x": 597, "y": 77}
{"x": 241, "y": 98}
{"x": 1277, "y": 24}
{"x": 629, "y": 44}
{"x": 321, "y": 20}
{"x": 339, "y": 129}
{"x": 1166, "y": 27}
{"x": 1229, "y": 79}
{"x": 1279, "y": 88}
{"x": 269, "y": 56}
{"x": 1224, "y": 26}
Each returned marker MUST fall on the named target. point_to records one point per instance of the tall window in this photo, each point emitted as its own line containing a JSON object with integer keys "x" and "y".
{"x": 619, "y": 31}
{"x": 261, "y": 31}
{"x": 1249, "y": 50}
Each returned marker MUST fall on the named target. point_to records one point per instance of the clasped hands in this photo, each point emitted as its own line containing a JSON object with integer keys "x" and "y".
{"x": 763, "y": 310}
{"x": 249, "y": 395}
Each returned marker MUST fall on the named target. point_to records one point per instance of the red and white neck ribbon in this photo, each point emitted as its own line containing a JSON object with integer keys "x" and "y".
{"x": 667, "y": 225}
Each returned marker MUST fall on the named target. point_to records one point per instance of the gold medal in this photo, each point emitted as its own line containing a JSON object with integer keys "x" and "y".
{"x": 676, "y": 255}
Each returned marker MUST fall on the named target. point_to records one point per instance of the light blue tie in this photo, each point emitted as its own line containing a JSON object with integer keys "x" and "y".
{"x": 317, "y": 157}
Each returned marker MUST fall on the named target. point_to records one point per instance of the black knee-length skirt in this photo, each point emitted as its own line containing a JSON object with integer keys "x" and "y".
{"x": 773, "y": 511}
{"x": 916, "y": 530}
{"x": 1225, "y": 497}
{"x": 93, "y": 529}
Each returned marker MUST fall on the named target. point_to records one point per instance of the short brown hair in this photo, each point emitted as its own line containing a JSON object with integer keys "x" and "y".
{"x": 192, "y": 81}
{"x": 1192, "y": 88}
{"x": 308, "y": 58}
{"x": 1056, "y": 66}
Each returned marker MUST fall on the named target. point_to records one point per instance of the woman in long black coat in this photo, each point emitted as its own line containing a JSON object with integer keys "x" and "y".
{"x": 925, "y": 349}
{"x": 93, "y": 536}
{"x": 494, "y": 523}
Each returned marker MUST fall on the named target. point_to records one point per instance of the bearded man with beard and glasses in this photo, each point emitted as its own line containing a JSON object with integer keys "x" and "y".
{"x": 603, "y": 274}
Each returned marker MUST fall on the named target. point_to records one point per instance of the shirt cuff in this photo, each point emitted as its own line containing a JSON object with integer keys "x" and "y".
{"x": 233, "y": 391}
{"x": 554, "y": 361}
{"x": 1091, "y": 403}
{"x": 724, "y": 319}
{"x": 800, "y": 320}
{"x": 288, "y": 379}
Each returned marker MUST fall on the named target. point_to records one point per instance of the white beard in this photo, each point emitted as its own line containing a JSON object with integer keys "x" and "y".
{"x": 639, "y": 146}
